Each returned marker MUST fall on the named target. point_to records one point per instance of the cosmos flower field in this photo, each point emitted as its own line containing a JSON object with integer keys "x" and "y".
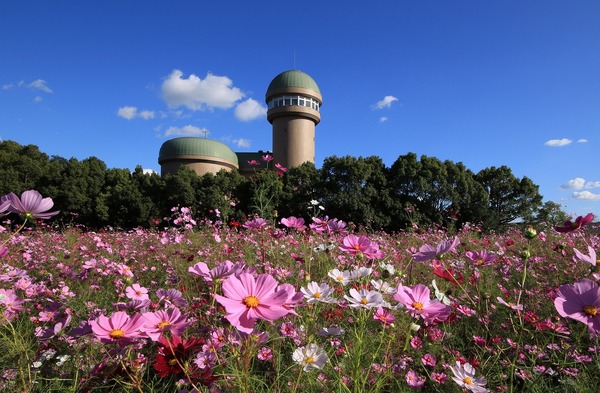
{"x": 294, "y": 306}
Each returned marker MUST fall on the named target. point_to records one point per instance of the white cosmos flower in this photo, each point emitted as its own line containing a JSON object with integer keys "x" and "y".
{"x": 315, "y": 292}
{"x": 464, "y": 376}
{"x": 384, "y": 287}
{"x": 342, "y": 277}
{"x": 363, "y": 298}
{"x": 331, "y": 331}
{"x": 310, "y": 357}
{"x": 361, "y": 272}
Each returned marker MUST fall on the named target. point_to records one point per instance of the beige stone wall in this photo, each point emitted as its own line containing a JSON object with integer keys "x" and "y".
{"x": 293, "y": 141}
{"x": 201, "y": 165}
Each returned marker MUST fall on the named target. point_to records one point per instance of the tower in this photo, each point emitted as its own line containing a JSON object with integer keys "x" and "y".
{"x": 293, "y": 100}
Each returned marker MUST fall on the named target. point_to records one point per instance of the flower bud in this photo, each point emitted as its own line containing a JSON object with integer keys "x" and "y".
{"x": 525, "y": 254}
{"x": 530, "y": 232}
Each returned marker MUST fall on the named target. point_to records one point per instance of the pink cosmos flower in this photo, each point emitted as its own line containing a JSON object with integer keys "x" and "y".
{"x": 581, "y": 257}
{"x": 30, "y": 205}
{"x": 253, "y": 162}
{"x": 11, "y": 303}
{"x": 464, "y": 376}
{"x": 223, "y": 270}
{"x": 119, "y": 327}
{"x": 384, "y": 316}
{"x": 248, "y": 299}
{"x": 570, "y": 226}
{"x": 361, "y": 246}
{"x": 294, "y": 223}
{"x": 417, "y": 302}
{"x": 256, "y": 223}
{"x": 428, "y": 252}
{"x": 4, "y": 205}
{"x": 158, "y": 322}
{"x": 267, "y": 157}
{"x": 581, "y": 302}
{"x": 136, "y": 292}
{"x": 414, "y": 380}
{"x": 481, "y": 258}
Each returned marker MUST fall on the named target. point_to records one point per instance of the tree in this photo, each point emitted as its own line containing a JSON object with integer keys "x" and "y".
{"x": 300, "y": 187}
{"x": 355, "y": 189}
{"x": 551, "y": 214}
{"x": 509, "y": 198}
{"x": 22, "y": 167}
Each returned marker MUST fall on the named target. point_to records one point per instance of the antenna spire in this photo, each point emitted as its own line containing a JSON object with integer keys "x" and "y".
{"x": 294, "y": 59}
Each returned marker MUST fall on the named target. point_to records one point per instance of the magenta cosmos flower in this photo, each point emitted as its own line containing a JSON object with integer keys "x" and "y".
{"x": 294, "y": 223}
{"x": 361, "y": 246}
{"x": 119, "y": 327}
{"x": 248, "y": 299}
{"x": 30, "y": 205}
{"x": 4, "y": 205}
{"x": 570, "y": 226}
{"x": 158, "y": 322}
{"x": 428, "y": 252}
{"x": 589, "y": 258}
{"x": 581, "y": 302}
{"x": 417, "y": 302}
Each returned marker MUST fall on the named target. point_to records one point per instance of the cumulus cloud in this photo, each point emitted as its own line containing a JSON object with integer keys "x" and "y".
{"x": 200, "y": 94}
{"x": 188, "y": 130}
{"x": 592, "y": 184}
{"x": 582, "y": 140}
{"x": 41, "y": 85}
{"x": 383, "y": 119}
{"x": 586, "y": 195}
{"x": 558, "y": 142}
{"x": 576, "y": 183}
{"x": 385, "y": 103}
{"x": 127, "y": 112}
{"x": 131, "y": 112}
{"x": 149, "y": 171}
{"x": 250, "y": 110}
{"x": 242, "y": 142}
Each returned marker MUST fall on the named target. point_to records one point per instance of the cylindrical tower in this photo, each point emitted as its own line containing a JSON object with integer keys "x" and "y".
{"x": 200, "y": 155}
{"x": 293, "y": 100}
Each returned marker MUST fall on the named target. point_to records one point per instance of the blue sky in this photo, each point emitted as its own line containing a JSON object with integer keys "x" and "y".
{"x": 485, "y": 83}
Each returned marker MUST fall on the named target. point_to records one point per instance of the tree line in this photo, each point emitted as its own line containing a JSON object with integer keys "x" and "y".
{"x": 414, "y": 191}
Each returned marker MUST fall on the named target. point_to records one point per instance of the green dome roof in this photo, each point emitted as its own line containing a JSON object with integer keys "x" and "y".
{"x": 189, "y": 146}
{"x": 293, "y": 78}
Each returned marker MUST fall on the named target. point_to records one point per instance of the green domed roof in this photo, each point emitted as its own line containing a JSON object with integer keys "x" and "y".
{"x": 293, "y": 78}
{"x": 189, "y": 146}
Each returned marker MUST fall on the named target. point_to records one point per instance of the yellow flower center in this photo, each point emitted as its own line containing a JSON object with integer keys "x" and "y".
{"x": 340, "y": 278}
{"x": 363, "y": 300}
{"x": 479, "y": 261}
{"x": 468, "y": 381}
{"x": 417, "y": 305}
{"x": 310, "y": 360}
{"x": 356, "y": 247}
{"x": 592, "y": 311}
{"x": 317, "y": 295}
{"x": 163, "y": 324}
{"x": 172, "y": 362}
{"x": 116, "y": 334}
{"x": 251, "y": 301}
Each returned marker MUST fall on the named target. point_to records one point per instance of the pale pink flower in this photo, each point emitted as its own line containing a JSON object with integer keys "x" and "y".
{"x": 414, "y": 380}
{"x": 158, "y": 322}
{"x": 464, "y": 376}
{"x": 428, "y": 252}
{"x": 11, "y": 303}
{"x": 294, "y": 223}
{"x": 581, "y": 257}
{"x": 256, "y": 223}
{"x": 248, "y": 299}
{"x": 30, "y": 205}
{"x": 119, "y": 327}
{"x": 136, "y": 292}
{"x": 361, "y": 246}
{"x": 581, "y": 302}
{"x": 481, "y": 258}
{"x": 417, "y": 302}
{"x": 201, "y": 269}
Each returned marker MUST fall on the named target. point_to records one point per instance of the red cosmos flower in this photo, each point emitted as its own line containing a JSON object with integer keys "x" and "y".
{"x": 449, "y": 274}
{"x": 174, "y": 353}
{"x": 570, "y": 226}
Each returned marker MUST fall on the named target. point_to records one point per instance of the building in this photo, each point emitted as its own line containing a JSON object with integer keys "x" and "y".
{"x": 293, "y": 100}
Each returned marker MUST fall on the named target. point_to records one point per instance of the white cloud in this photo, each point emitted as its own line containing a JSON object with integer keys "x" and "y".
{"x": 188, "y": 130}
{"x": 200, "y": 94}
{"x": 7, "y": 86}
{"x": 582, "y": 140}
{"x": 242, "y": 142}
{"x": 586, "y": 195}
{"x": 37, "y": 99}
{"x": 127, "y": 112}
{"x": 385, "y": 103}
{"x": 558, "y": 142}
{"x": 592, "y": 184}
{"x": 250, "y": 110}
{"x": 131, "y": 112}
{"x": 148, "y": 171}
{"x": 40, "y": 84}
{"x": 383, "y": 119}
{"x": 146, "y": 114}
{"x": 576, "y": 183}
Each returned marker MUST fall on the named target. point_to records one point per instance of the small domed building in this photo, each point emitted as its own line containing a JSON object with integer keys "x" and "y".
{"x": 199, "y": 154}
{"x": 293, "y": 101}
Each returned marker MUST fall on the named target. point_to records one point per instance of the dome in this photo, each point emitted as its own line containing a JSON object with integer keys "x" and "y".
{"x": 292, "y": 79}
{"x": 190, "y": 146}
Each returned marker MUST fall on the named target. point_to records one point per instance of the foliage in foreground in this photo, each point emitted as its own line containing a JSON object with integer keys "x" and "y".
{"x": 342, "y": 311}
